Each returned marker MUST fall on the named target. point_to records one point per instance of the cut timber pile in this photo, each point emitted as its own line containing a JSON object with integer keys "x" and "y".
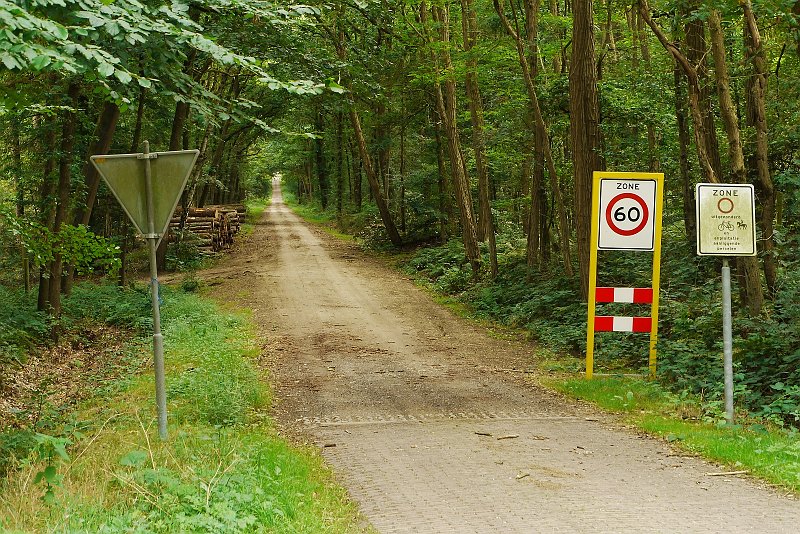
{"x": 211, "y": 228}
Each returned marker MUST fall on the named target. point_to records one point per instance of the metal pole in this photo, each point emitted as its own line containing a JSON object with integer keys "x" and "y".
{"x": 158, "y": 339}
{"x": 727, "y": 339}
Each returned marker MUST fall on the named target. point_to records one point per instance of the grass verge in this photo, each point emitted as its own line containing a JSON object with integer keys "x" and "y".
{"x": 255, "y": 209}
{"x": 325, "y": 220}
{"x": 223, "y": 468}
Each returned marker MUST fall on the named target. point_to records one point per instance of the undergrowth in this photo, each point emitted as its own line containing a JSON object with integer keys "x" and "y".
{"x": 546, "y": 304}
{"x": 102, "y": 468}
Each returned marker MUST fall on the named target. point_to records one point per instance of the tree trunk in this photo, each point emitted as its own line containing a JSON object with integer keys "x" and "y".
{"x": 696, "y": 53}
{"x": 319, "y": 158}
{"x": 726, "y": 106}
{"x": 752, "y": 282}
{"x": 705, "y": 142}
{"x": 63, "y": 190}
{"x": 103, "y": 136}
{"x": 16, "y": 149}
{"x": 470, "y": 32}
{"x": 403, "y": 120}
{"x": 339, "y": 163}
{"x": 178, "y": 123}
{"x": 446, "y": 100}
{"x": 380, "y": 201}
{"x": 137, "y": 128}
{"x": 689, "y": 215}
{"x": 46, "y": 208}
{"x": 357, "y": 175}
{"x": 757, "y": 117}
{"x": 445, "y": 206}
{"x": 194, "y": 179}
{"x": 584, "y": 113}
{"x": 542, "y": 141}
{"x": 748, "y": 266}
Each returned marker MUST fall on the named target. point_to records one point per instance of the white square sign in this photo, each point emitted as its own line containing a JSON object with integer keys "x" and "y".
{"x": 725, "y": 220}
{"x": 627, "y": 214}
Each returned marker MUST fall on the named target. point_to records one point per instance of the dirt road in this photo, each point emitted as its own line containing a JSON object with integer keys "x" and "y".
{"x": 421, "y": 421}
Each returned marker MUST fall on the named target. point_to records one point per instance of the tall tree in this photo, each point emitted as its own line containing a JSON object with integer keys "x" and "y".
{"x": 542, "y": 148}
{"x": 447, "y": 105}
{"x": 69, "y": 124}
{"x": 757, "y": 118}
{"x": 470, "y": 35}
{"x": 584, "y": 112}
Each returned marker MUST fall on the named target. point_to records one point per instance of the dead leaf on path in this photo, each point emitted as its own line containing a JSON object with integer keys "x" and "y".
{"x": 508, "y": 436}
{"x": 483, "y": 433}
{"x": 523, "y": 475}
{"x": 726, "y": 473}
{"x": 539, "y": 438}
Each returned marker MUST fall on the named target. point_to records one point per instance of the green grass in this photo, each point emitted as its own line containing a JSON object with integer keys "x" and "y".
{"x": 309, "y": 212}
{"x": 224, "y": 468}
{"x": 255, "y": 209}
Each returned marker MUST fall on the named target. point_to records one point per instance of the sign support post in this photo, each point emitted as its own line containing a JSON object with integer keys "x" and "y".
{"x": 149, "y": 204}
{"x": 727, "y": 339}
{"x": 158, "y": 340}
{"x": 726, "y": 227}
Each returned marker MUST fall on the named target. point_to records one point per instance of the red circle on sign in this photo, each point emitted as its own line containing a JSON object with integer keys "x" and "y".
{"x": 719, "y": 205}
{"x": 610, "y": 218}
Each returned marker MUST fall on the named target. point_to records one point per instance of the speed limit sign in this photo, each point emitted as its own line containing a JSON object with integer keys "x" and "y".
{"x": 626, "y": 213}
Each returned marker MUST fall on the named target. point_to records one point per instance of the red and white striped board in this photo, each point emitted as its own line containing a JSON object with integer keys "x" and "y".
{"x": 636, "y": 295}
{"x": 610, "y": 323}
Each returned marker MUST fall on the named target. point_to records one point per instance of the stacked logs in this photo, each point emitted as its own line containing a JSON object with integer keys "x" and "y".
{"x": 211, "y": 228}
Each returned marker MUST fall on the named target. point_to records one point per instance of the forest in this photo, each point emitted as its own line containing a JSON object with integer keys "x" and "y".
{"x": 462, "y": 134}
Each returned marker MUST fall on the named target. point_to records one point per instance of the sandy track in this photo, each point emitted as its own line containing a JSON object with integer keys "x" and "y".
{"x": 420, "y": 422}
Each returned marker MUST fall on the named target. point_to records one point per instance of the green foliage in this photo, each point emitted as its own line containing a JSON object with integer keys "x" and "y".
{"x": 547, "y": 306}
{"x": 219, "y": 387}
{"x": 110, "y": 304}
{"x": 86, "y": 251}
{"x": 77, "y": 245}
{"x": 237, "y": 485}
{"x": 209, "y": 477}
{"x": 771, "y": 454}
{"x": 766, "y": 348}
{"x": 50, "y": 450}
{"x": 21, "y": 326}
{"x": 183, "y": 255}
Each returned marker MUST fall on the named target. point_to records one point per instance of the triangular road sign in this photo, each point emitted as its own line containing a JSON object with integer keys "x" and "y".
{"x": 124, "y": 175}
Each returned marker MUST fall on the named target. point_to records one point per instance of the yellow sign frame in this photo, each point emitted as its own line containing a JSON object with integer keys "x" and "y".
{"x": 598, "y": 176}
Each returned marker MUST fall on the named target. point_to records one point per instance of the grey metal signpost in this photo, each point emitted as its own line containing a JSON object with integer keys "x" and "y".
{"x": 726, "y": 227}
{"x": 150, "y": 203}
